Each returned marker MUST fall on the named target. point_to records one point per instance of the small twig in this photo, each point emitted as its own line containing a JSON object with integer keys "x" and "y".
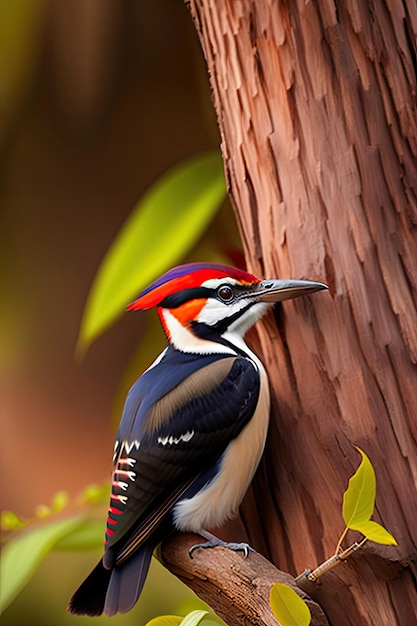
{"x": 334, "y": 560}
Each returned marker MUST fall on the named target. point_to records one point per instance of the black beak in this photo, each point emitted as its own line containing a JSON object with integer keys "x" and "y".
{"x": 279, "y": 290}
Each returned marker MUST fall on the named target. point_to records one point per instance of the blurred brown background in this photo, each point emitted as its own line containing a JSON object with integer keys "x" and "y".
{"x": 97, "y": 99}
{"x": 111, "y": 93}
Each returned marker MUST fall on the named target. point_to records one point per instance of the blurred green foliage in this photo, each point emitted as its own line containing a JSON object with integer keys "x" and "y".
{"x": 162, "y": 228}
{"x": 37, "y": 57}
{"x": 22, "y": 556}
{"x": 24, "y": 551}
{"x": 80, "y": 530}
{"x": 20, "y": 31}
{"x": 164, "y": 225}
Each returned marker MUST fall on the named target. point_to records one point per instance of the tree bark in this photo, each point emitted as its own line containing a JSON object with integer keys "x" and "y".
{"x": 316, "y": 104}
{"x": 236, "y": 588}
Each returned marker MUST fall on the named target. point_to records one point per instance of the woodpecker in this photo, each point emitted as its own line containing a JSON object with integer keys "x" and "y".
{"x": 193, "y": 427}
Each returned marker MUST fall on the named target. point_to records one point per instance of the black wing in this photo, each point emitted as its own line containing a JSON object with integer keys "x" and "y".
{"x": 181, "y": 436}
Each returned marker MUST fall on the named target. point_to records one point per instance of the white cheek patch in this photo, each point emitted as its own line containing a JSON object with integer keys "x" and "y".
{"x": 183, "y": 339}
{"x": 241, "y": 325}
{"x": 215, "y": 310}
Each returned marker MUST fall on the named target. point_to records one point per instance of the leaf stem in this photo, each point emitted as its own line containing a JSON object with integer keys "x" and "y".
{"x": 339, "y": 543}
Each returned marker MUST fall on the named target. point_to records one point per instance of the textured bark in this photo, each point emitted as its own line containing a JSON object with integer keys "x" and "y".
{"x": 236, "y": 588}
{"x": 316, "y": 103}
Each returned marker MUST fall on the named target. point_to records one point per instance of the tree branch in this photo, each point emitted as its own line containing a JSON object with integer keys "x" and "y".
{"x": 236, "y": 588}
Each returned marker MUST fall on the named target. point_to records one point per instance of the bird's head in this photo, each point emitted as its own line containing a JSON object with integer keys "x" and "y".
{"x": 208, "y": 300}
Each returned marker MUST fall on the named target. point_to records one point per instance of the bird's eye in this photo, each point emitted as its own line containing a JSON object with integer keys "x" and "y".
{"x": 226, "y": 293}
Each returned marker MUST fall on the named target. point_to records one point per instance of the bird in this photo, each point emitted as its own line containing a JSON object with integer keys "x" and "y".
{"x": 193, "y": 427}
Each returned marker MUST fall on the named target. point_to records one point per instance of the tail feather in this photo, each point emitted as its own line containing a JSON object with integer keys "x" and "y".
{"x": 127, "y": 581}
{"x": 90, "y": 596}
{"x": 113, "y": 590}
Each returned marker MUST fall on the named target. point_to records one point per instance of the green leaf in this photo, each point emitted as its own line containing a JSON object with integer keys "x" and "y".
{"x": 10, "y": 521}
{"x": 162, "y": 228}
{"x": 165, "y": 620}
{"x": 95, "y": 494}
{"x": 375, "y": 532}
{"x": 22, "y": 556}
{"x": 42, "y": 511}
{"x": 288, "y": 607}
{"x": 359, "y": 498}
{"x": 194, "y": 618}
{"x": 88, "y": 536}
{"x": 59, "y": 501}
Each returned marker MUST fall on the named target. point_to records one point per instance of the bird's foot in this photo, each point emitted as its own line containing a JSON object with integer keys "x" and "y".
{"x": 213, "y": 542}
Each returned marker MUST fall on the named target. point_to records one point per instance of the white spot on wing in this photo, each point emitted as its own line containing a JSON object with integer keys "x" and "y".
{"x": 170, "y": 440}
{"x": 129, "y": 445}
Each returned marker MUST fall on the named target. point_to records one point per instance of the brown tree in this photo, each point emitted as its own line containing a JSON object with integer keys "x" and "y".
{"x": 316, "y": 104}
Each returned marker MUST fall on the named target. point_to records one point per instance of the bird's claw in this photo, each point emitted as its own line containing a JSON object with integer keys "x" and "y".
{"x": 213, "y": 543}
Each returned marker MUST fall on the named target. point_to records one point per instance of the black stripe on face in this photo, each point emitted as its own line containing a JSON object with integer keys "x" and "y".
{"x": 176, "y": 300}
{"x": 206, "y": 331}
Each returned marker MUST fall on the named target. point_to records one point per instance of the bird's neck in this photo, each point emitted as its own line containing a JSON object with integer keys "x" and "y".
{"x": 185, "y": 340}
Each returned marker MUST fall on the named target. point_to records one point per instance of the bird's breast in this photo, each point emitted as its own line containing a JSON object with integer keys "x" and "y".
{"x": 219, "y": 500}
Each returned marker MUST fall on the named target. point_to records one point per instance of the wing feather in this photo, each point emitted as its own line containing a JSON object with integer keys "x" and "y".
{"x": 167, "y": 446}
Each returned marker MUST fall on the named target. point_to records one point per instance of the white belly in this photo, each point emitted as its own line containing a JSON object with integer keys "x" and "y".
{"x": 220, "y": 499}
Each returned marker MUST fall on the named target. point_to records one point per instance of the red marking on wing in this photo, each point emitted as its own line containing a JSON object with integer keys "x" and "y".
{"x": 114, "y": 511}
{"x": 117, "y": 496}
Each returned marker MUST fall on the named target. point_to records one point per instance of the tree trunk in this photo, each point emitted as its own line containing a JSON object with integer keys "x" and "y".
{"x": 317, "y": 113}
